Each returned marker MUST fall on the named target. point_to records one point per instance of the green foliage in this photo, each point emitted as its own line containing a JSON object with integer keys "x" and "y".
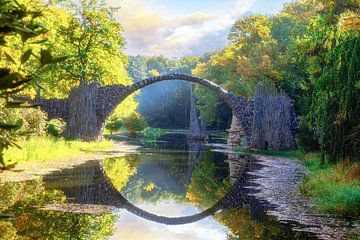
{"x": 19, "y": 21}
{"x": 311, "y": 51}
{"x": 306, "y": 138}
{"x": 134, "y": 123}
{"x": 114, "y": 125}
{"x": 335, "y": 188}
{"x": 56, "y": 127}
{"x": 204, "y": 188}
{"x": 22, "y": 37}
{"x": 92, "y": 38}
{"x": 143, "y": 190}
{"x": 49, "y": 149}
{"x": 119, "y": 170}
{"x": 336, "y": 106}
{"x": 23, "y": 200}
{"x": 87, "y": 32}
{"x": 137, "y": 68}
{"x": 244, "y": 62}
{"x": 150, "y": 134}
{"x": 34, "y": 121}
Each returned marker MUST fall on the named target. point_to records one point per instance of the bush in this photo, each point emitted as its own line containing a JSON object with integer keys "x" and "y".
{"x": 18, "y": 123}
{"x": 114, "y": 125}
{"x": 335, "y": 188}
{"x": 152, "y": 134}
{"x": 34, "y": 121}
{"x": 306, "y": 137}
{"x": 135, "y": 123}
{"x": 56, "y": 127}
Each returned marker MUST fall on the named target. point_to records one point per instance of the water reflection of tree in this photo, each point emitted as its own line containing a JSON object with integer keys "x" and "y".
{"x": 196, "y": 150}
{"x": 23, "y": 199}
{"x": 173, "y": 175}
{"x": 120, "y": 169}
{"x": 161, "y": 176}
{"x": 205, "y": 189}
{"x": 137, "y": 192}
{"x": 242, "y": 226}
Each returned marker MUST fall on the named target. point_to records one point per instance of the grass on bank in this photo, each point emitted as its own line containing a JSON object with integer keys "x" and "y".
{"x": 335, "y": 188}
{"x": 48, "y": 148}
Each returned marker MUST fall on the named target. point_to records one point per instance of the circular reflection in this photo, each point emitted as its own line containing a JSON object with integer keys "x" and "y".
{"x": 203, "y": 189}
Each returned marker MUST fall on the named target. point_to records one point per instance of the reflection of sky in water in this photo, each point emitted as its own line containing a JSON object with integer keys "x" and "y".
{"x": 169, "y": 208}
{"x": 131, "y": 227}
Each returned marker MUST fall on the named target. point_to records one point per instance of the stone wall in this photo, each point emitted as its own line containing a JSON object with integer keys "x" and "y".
{"x": 271, "y": 124}
{"x": 274, "y": 121}
{"x": 236, "y": 133}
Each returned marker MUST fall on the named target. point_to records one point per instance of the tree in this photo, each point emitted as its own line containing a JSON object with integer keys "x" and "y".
{"x": 113, "y": 125}
{"x": 336, "y": 107}
{"x": 137, "y": 68}
{"x": 309, "y": 50}
{"x": 120, "y": 170}
{"x": 134, "y": 123}
{"x": 20, "y": 32}
{"x": 92, "y": 39}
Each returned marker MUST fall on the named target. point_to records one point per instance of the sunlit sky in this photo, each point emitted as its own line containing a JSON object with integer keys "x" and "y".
{"x": 133, "y": 227}
{"x": 176, "y": 28}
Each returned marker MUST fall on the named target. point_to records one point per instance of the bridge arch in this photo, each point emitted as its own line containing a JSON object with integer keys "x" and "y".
{"x": 109, "y": 97}
{"x": 240, "y": 106}
{"x": 267, "y": 120}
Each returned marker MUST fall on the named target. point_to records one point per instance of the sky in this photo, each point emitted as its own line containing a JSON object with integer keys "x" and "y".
{"x": 133, "y": 227}
{"x": 177, "y": 28}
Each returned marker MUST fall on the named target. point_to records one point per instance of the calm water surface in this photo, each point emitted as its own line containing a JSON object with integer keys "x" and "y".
{"x": 173, "y": 189}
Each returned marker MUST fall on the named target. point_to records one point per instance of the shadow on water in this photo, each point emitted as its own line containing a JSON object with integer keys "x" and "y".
{"x": 83, "y": 202}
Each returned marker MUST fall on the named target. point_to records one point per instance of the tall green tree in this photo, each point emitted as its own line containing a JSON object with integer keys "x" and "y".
{"x": 335, "y": 110}
{"x": 92, "y": 38}
{"x": 87, "y": 32}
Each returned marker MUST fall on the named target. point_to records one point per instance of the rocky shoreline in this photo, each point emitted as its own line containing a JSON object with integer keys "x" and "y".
{"x": 278, "y": 182}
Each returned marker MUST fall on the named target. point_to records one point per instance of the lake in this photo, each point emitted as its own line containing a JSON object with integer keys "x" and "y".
{"x": 168, "y": 189}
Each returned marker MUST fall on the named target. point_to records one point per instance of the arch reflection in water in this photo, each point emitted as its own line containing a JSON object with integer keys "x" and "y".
{"x": 98, "y": 188}
{"x": 204, "y": 182}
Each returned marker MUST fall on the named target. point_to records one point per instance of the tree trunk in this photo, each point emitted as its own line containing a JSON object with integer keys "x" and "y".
{"x": 82, "y": 121}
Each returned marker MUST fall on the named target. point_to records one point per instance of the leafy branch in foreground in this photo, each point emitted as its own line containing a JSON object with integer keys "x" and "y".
{"x": 17, "y": 20}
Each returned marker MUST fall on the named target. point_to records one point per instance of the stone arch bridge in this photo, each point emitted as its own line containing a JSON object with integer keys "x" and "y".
{"x": 249, "y": 114}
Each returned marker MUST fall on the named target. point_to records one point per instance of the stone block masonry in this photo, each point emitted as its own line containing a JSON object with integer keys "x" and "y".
{"x": 266, "y": 121}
